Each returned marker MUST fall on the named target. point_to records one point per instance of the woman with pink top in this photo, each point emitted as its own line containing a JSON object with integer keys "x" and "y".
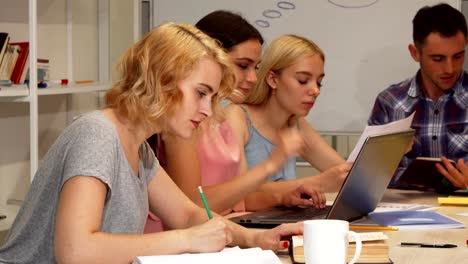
{"x": 212, "y": 157}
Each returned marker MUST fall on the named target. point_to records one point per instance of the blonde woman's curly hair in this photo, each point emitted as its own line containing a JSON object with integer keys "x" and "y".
{"x": 146, "y": 91}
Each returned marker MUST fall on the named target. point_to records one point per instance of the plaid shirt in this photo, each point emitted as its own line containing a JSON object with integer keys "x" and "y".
{"x": 441, "y": 127}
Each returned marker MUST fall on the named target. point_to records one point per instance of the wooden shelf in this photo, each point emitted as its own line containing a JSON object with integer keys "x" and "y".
{"x": 20, "y": 93}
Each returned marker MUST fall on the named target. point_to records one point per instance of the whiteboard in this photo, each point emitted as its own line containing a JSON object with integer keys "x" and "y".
{"x": 365, "y": 44}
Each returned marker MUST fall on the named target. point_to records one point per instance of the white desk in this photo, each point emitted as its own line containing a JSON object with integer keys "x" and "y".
{"x": 411, "y": 255}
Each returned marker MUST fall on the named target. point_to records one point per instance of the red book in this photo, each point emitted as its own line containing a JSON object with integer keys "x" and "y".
{"x": 21, "y": 67}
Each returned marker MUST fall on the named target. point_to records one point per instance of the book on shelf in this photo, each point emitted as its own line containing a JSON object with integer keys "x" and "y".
{"x": 22, "y": 63}
{"x": 43, "y": 71}
{"x": 4, "y": 39}
{"x": 422, "y": 174}
{"x": 9, "y": 61}
{"x": 374, "y": 249}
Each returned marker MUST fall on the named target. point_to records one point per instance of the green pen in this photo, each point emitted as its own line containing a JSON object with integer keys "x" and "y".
{"x": 205, "y": 202}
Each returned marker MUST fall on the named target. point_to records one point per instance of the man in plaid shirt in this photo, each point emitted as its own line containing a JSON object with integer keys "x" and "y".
{"x": 438, "y": 93}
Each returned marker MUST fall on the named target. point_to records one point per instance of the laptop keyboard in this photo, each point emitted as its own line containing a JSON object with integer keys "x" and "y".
{"x": 302, "y": 213}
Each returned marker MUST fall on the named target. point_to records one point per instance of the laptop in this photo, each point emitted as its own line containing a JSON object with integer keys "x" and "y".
{"x": 360, "y": 192}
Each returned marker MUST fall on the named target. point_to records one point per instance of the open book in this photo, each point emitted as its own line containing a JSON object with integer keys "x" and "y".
{"x": 227, "y": 256}
{"x": 393, "y": 127}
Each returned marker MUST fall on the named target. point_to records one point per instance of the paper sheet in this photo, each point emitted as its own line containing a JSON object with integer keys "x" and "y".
{"x": 393, "y": 127}
{"x": 386, "y": 207}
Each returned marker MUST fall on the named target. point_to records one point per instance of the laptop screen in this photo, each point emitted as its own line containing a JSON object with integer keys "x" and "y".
{"x": 370, "y": 175}
{"x": 361, "y": 191}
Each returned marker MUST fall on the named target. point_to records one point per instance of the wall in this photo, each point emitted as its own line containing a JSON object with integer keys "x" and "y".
{"x": 345, "y": 143}
{"x": 365, "y": 45}
{"x": 294, "y": 20}
{"x": 121, "y": 30}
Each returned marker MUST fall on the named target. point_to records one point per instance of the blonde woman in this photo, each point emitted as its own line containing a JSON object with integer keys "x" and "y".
{"x": 90, "y": 198}
{"x": 290, "y": 76}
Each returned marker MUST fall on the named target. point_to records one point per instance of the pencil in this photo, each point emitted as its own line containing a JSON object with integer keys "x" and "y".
{"x": 370, "y": 228}
{"x": 205, "y": 202}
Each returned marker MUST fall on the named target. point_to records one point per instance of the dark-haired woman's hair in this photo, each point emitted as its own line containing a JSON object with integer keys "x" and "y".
{"x": 228, "y": 28}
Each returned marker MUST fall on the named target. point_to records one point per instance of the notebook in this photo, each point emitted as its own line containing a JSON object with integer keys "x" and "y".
{"x": 360, "y": 193}
{"x": 415, "y": 220}
{"x": 234, "y": 255}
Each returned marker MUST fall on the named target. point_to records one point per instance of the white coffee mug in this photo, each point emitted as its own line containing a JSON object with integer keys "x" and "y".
{"x": 326, "y": 242}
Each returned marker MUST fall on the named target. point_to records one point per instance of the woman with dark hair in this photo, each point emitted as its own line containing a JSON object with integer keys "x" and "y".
{"x": 212, "y": 156}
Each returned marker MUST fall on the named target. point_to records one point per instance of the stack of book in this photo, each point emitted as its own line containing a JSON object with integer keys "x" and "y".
{"x": 371, "y": 252}
{"x": 374, "y": 249}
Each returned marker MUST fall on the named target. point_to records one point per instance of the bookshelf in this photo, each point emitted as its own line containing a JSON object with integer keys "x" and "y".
{"x": 31, "y": 118}
{"x": 21, "y": 93}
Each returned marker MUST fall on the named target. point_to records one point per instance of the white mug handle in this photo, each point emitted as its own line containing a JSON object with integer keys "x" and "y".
{"x": 357, "y": 252}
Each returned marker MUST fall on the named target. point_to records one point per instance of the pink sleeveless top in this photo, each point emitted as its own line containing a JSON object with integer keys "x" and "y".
{"x": 219, "y": 157}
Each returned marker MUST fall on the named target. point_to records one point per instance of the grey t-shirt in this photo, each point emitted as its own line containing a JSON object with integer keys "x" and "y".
{"x": 90, "y": 146}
